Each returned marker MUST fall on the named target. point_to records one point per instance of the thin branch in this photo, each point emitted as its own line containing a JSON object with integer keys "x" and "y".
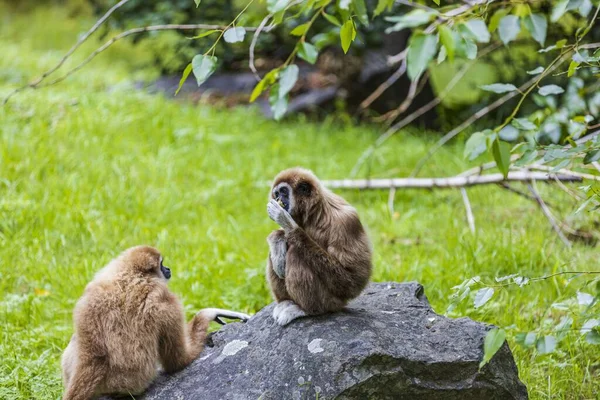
{"x": 68, "y": 54}
{"x": 469, "y": 211}
{"x": 410, "y": 96}
{"x": 391, "y": 198}
{"x": 563, "y": 171}
{"x": 547, "y": 213}
{"x": 482, "y": 112}
{"x": 539, "y": 278}
{"x": 417, "y": 113}
{"x": 253, "y": 45}
{"x": 516, "y": 191}
{"x": 168, "y": 27}
{"x": 447, "y": 182}
{"x": 385, "y": 85}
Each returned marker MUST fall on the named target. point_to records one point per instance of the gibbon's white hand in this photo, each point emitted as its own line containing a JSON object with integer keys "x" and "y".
{"x": 280, "y": 216}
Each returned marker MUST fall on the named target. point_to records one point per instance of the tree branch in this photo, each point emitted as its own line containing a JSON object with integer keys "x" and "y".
{"x": 484, "y": 111}
{"x": 387, "y": 84}
{"x": 469, "y": 211}
{"x": 68, "y": 54}
{"x": 417, "y": 113}
{"x": 448, "y": 182}
{"x": 168, "y": 27}
{"x": 547, "y": 213}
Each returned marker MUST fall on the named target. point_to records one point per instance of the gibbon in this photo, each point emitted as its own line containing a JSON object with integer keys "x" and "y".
{"x": 127, "y": 323}
{"x": 321, "y": 258}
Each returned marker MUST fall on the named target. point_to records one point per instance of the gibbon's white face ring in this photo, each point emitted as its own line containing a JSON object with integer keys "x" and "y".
{"x": 284, "y": 194}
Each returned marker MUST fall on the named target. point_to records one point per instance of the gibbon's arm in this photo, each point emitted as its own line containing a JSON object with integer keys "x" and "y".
{"x": 324, "y": 265}
{"x": 180, "y": 343}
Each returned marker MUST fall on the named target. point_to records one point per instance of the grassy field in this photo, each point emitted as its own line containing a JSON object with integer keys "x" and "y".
{"x": 90, "y": 167}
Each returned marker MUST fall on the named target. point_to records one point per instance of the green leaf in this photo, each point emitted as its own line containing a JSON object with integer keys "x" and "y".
{"x": 421, "y": 50}
{"x": 275, "y": 6}
{"x": 509, "y": 28}
{"x": 347, "y": 34}
{"x": 536, "y": 71}
{"x": 308, "y": 52}
{"x": 593, "y": 337}
{"x": 265, "y": 82}
{"x": 550, "y": 89}
{"x": 300, "y": 29}
{"x": 559, "y": 45}
{"x": 206, "y": 33}
{"x": 483, "y": 296}
{"x": 546, "y": 344}
{"x": 562, "y": 329}
{"x": 523, "y": 124}
{"x": 184, "y": 76}
{"x": 383, "y": 5}
{"x": 203, "y": 67}
{"x": 537, "y": 25}
{"x": 287, "y": 79}
{"x": 332, "y": 19}
{"x": 494, "y": 339}
{"x": 197, "y": 2}
{"x": 501, "y": 153}
{"x": 475, "y": 146}
{"x": 591, "y": 156}
{"x": 470, "y": 49}
{"x": 495, "y": 20}
{"x": 411, "y": 19}
{"x": 509, "y": 133}
{"x": 234, "y": 35}
{"x": 499, "y": 87}
{"x": 560, "y": 7}
{"x": 278, "y": 104}
{"x": 344, "y": 4}
{"x": 572, "y": 68}
{"x": 475, "y": 29}
{"x": 447, "y": 40}
{"x": 361, "y": 11}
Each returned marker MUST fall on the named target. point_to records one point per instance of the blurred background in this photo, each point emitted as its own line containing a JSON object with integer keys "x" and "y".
{"x": 109, "y": 157}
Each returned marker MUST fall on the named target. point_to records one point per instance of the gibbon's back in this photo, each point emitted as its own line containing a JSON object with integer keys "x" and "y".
{"x": 122, "y": 327}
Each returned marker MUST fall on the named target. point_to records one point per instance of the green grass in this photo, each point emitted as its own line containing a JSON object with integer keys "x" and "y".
{"x": 90, "y": 167}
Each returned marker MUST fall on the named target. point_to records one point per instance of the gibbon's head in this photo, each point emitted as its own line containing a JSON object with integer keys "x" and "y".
{"x": 297, "y": 190}
{"x": 146, "y": 260}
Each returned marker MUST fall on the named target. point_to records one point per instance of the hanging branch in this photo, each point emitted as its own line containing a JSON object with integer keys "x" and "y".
{"x": 417, "y": 113}
{"x": 387, "y": 84}
{"x": 168, "y": 27}
{"x": 532, "y": 188}
{"x": 468, "y": 210}
{"x": 81, "y": 40}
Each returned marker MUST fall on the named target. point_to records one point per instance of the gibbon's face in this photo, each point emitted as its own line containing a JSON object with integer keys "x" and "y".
{"x": 293, "y": 195}
{"x": 165, "y": 272}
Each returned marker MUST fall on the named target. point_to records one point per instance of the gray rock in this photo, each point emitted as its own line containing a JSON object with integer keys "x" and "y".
{"x": 387, "y": 344}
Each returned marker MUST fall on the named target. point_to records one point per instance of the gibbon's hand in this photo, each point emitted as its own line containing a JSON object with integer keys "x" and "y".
{"x": 215, "y": 314}
{"x": 280, "y": 216}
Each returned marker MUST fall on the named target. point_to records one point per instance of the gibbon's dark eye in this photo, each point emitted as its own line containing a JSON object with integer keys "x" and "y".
{"x": 166, "y": 271}
{"x": 304, "y": 188}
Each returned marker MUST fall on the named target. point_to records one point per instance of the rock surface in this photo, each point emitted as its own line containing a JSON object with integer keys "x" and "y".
{"x": 387, "y": 344}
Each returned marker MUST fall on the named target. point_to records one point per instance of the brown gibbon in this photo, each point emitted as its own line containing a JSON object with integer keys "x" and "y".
{"x": 321, "y": 257}
{"x": 127, "y": 323}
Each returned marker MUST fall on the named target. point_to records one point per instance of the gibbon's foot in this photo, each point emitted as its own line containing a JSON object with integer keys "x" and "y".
{"x": 287, "y": 311}
{"x": 215, "y": 314}
{"x": 280, "y": 216}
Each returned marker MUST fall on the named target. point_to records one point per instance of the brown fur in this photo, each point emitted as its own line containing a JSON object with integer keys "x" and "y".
{"x": 126, "y": 323}
{"x": 328, "y": 260}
